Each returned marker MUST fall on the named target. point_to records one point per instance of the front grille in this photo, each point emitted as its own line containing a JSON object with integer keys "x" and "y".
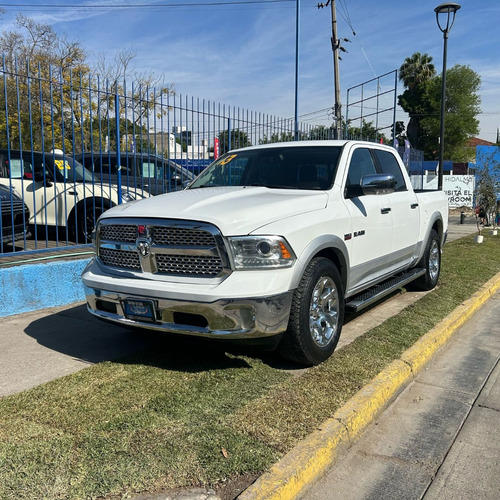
{"x": 125, "y": 233}
{"x": 189, "y": 265}
{"x": 177, "y": 248}
{"x": 120, "y": 258}
{"x": 17, "y": 205}
{"x": 14, "y": 212}
{"x": 182, "y": 237}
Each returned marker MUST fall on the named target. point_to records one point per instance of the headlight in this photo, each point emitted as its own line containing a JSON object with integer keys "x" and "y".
{"x": 261, "y": 252}
{"x": 127, "y": 196}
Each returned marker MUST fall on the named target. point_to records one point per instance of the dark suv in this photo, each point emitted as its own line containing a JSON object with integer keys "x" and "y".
{"x": 139, "y": 171}
{"x": 14, "y": 216}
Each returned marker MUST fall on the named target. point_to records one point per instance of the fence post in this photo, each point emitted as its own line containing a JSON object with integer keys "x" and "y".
{"x": 118, "y": 159}
{"x": 229, "y": 133}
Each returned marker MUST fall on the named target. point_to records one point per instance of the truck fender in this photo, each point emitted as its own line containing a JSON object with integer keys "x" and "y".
{"x": 329, "y": 246}
{"x": 435, "y": 221}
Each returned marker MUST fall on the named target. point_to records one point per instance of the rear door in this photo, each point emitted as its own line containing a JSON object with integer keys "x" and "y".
{"x": 405, "y": 211}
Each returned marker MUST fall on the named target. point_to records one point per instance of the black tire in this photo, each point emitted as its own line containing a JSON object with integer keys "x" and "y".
{"x": 86, "y": 219}
{"x": 316, "y": 315}
{"x": 431, "y": 262}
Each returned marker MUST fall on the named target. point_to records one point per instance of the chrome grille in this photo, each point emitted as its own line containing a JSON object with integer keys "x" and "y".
{"x": 115, "y": 232}
{"x": 17, "y": 205}
{"x": 189, "y": 265}
{"x": 182, "y": 237}
{"x": 169, "y": 247}
{"x": 120, "y": 258}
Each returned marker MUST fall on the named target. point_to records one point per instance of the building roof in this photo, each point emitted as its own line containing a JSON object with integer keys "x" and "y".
{"x": 476, "y": 141}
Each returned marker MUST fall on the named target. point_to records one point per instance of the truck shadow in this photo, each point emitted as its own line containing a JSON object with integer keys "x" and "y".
{"x": 75, "y": 333}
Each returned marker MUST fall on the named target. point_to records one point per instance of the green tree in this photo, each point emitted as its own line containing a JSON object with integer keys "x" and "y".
{"x": 53, "y": 101}
{"x": 488, "y": 181}
{"x": 416, "y": 72}
{"x": 239, "y": 139}
{"x": 41, "y": 98}
{"x": 462, "y": 105}
{"x": 282, "y": 137}
{"x": 321, "y": 132}
{"x": 367, "y": 132}
{"x": 422, "y": 101}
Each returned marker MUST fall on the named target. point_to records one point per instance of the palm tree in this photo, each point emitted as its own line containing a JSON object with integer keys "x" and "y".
{"x": 416, "y": 69}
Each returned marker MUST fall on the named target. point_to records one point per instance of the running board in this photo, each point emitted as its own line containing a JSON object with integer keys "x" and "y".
{"x": 368, "y": 297}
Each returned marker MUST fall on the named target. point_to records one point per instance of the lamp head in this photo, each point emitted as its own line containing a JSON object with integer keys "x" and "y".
{"x": 450, "y": 9}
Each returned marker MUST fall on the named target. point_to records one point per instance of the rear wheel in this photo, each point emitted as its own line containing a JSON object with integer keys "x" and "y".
{"x": 316, "y": 315}
{"x": 431, "y": 262}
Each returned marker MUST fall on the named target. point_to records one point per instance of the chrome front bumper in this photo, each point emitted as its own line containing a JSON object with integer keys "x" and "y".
{"x": 245, "y": 318}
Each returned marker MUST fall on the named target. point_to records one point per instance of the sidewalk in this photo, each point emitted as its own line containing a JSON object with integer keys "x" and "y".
{"x": 440, "y": 438}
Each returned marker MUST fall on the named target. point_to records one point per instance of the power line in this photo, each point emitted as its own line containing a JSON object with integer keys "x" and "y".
{"x": 145, "y": 5}
{"x": 347, "y": 18}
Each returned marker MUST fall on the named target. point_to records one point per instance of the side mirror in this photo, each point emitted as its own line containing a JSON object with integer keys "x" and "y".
{"x": 378, "y": 184}
{"x": 39, "y": 178}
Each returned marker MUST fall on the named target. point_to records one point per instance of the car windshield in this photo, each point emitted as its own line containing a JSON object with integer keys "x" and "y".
{"x": 64, "y": 168}
{"x": 162, "y": 170}
{"x": 286, "y": 167}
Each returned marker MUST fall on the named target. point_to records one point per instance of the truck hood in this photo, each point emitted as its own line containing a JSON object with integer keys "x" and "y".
{"x": 236, "y": 210}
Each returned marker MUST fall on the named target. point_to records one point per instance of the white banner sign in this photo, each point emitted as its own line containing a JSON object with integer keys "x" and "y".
{"x": 459, "y": 189}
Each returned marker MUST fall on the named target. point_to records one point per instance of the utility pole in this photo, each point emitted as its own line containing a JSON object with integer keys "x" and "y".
{"x": 336, "y": 77}
{"x": 337, "y": 108}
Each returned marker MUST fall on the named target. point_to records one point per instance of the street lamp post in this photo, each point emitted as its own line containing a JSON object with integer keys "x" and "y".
{"x": 450, "y": 9}
{"x": 297, "y": 33}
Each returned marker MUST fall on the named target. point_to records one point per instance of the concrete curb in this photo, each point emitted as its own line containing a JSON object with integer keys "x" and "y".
{"x": 60, "y": 282}
{"x": 310, "y": 459}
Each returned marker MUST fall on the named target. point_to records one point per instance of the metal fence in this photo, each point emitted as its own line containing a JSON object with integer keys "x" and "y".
{"x": 73, "y": 145}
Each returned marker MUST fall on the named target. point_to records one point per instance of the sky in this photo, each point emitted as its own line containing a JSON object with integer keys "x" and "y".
{"x": 242, "y": 53}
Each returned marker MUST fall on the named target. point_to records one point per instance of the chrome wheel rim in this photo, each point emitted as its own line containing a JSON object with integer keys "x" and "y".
{"x": 434, "y": 260}
{"x": 324, "y": 311}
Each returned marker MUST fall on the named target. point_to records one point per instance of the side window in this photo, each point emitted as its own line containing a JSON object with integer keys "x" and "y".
{"x": 18, "y": 168}
{"x": 148, "y": 170}
{"x": 361, "y": 164}
{"x": 390, "y": 165}
{"x": 32, "y": 166}
{"x": 106, "y": 166}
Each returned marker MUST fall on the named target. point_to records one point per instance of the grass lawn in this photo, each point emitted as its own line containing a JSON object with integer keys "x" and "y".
{"x": 186, "y": 414}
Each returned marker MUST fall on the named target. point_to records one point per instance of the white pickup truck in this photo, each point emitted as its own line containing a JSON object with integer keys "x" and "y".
{"x": 271, "y": 243}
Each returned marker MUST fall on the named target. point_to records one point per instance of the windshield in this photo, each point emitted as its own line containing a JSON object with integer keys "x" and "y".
{"x": 67, "y": 168}
{"x": 291, "y": 167}
{"x": 164, "y": 170}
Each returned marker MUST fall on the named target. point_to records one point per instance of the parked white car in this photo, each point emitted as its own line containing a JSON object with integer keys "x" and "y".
{"x": 58, "y": 190}
{"x": 270, "y": 243}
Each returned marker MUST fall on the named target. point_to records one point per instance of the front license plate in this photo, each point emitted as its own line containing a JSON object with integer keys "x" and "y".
{"x": 142, "y": 310}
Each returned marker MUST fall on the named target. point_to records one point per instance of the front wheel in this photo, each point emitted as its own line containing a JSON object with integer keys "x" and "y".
{"x": 431, "y": 262}
{"x": 86, "y": 220}
{"x": 316, "y": 315}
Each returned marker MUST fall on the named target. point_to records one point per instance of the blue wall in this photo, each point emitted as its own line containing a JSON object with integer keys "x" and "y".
{"x": 30, "y": 287}
{"x": 489, "y": 156}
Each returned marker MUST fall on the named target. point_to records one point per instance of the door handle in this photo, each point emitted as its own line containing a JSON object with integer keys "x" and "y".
{"x": 385, "y": 210}
{"x": 414, "y": 205}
